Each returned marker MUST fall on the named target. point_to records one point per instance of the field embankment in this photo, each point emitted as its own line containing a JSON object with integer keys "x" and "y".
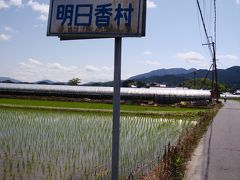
{"x": 98, "y": 107}
{"x": 174, "y": 161}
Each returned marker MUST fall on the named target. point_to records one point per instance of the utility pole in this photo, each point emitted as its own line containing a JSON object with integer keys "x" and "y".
{"x": 194, "y": 82}
{"x": 212, "y": 48}
{"x": 215, "y": 89}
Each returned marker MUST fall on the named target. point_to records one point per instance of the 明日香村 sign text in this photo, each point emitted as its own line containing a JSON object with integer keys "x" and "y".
{"x": 97, "y": 18}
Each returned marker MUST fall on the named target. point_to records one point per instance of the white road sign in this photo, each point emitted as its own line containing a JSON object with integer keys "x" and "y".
{"x": 76, "y": 19}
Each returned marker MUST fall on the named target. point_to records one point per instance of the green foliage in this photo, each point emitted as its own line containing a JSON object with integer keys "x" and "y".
{"x": 130, "y": 83}
{"x": 74, "y": 81}
{"x": 177, "y": 162}
{"x": 89, "y": 105}
{"x": 56, "y": 145}
{"x": 169, "y": 80}
{"x": 201, "y": 83}
{"x": 174, "y": 164}
{"x": 225, "y": 76}
{"x": 7, "y": 81}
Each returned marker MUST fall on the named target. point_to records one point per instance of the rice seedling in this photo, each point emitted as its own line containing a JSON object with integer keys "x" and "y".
{"x": 61, "y": 145}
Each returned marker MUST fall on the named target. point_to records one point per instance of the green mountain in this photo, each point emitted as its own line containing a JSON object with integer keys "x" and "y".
{"x": 8, "y": 80}
{"x": 163, "y": 72}
{"x": 202, "y": 83}
{"x": 229, "y": 77}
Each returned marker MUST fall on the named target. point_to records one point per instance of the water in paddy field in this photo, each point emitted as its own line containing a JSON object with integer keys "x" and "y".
{"x": 61, "y": 145}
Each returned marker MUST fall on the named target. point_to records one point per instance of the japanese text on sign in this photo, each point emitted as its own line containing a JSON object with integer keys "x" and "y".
{"x": 103, "y": 18}
{"x": 82, "y": 14}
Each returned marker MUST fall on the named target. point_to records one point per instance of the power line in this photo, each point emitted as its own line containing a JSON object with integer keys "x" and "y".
{"x": 215, "y": 46}
{"x": 204, "y": 10}
{"x": 211, "y": 43}
{"x": 199, "y": 26}
{"x": 215, "y": 23}
{"x": 210, "y": 18}
{"x": 205, "y": 29}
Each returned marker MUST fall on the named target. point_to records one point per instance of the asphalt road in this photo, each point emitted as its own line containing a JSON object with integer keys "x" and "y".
{"x": 217, "y": 157}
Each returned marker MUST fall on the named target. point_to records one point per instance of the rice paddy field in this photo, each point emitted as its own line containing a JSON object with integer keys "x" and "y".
{"x": 38, "y": 144}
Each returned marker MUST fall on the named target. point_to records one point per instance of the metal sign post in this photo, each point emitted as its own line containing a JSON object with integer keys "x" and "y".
{"x": 116, "y": 108}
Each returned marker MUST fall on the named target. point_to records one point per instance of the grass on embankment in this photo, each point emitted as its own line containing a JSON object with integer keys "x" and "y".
{"x": 65, "y": 105}
{"x": 173, "y": 165}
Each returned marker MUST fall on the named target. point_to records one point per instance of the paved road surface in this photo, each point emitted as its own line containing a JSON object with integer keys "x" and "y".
{"x": 217, "y": 157}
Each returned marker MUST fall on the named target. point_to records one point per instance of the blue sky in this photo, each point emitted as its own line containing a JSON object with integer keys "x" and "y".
{"x": 174, "y": 39}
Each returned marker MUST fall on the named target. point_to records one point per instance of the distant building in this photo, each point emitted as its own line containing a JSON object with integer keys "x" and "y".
{"x": 237, "y": 92}
{"x": 156, "y": 85}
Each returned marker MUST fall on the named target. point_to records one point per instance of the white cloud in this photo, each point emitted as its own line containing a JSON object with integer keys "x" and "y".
{"x": 227, "y": 57}
{"x": 94, "y": 73}
{"x": 151, "y": 4}
{"x": 91, "y": 68}
{"x": 5, "y": 37}
{"x": 15, "y": 2}
{"x": 238, "y": 2}
{"x": 3, "y": 4}
{"x": 204, "y": 65}
{"x": 39, "y": 7}
{"x": 34, "y": 70}
{"x": 38, "y": 25}
{"x": 30, "y": 65}
{"x": 43, "y": 17}
{"x": 150, "y": 62}
{"x": 34, "y": 62}
{"x": 106, "y": 68}
{"x": 190, "y": 56}
{"x": 9, "y": 3}
{"x": 8, "y": 29}
{"x": 147, "y": 52}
